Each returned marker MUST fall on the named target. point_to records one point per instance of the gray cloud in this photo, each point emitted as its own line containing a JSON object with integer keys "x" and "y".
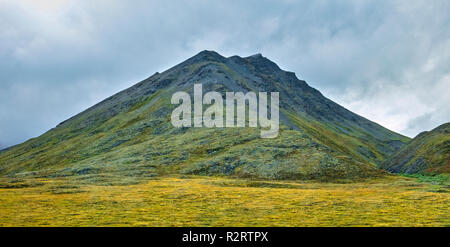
{"x": 386, "y": 60}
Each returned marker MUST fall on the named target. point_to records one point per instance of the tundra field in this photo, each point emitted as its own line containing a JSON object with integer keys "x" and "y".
{"x": 218, "y": 201}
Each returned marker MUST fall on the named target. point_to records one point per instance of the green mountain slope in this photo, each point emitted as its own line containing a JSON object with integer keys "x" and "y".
{"x": 130, "y": 134}
{"x": 428, "y": 152}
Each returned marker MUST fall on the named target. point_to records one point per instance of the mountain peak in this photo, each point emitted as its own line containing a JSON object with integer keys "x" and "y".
{"x": 263, "y": 64}
{"x": 207, "y": 55}
{"x": 208, "y": 52}
{"x": 131, "y": 127}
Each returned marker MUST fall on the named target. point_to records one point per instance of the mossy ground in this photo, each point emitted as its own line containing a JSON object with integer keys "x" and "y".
{"x": 217, "y": 201}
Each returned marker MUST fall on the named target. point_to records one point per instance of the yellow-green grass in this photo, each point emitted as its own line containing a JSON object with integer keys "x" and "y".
{"x": 216, "y": 201}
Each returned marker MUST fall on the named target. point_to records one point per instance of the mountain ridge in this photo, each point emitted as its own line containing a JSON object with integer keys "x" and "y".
{"x": 427, "y": 153}
{"x": 318, "y": 138}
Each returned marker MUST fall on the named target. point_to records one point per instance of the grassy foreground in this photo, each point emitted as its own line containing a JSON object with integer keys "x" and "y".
{"x": 213, "y": 201}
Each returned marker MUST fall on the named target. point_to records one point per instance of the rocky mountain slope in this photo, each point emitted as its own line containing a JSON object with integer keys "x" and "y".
{"x": 428, "y": 153}
{"x": 130, "y": 133}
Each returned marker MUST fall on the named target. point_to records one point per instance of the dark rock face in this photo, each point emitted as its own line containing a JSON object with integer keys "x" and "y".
{"x": 131, "y": 130}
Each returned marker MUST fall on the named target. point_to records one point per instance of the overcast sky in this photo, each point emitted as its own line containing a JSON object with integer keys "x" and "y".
{"x": 388, "y": 61}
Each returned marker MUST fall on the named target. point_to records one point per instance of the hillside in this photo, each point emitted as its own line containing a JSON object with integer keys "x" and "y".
{"x": 129, "y": 134}
{"x": 428, "y": 153}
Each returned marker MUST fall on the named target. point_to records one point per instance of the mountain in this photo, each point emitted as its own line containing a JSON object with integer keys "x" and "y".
{"x": 130, "y": 133}
{"x": 428, "y": 153}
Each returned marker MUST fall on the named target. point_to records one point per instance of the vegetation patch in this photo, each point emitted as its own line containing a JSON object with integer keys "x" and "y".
{"x": 214, "y": 201}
